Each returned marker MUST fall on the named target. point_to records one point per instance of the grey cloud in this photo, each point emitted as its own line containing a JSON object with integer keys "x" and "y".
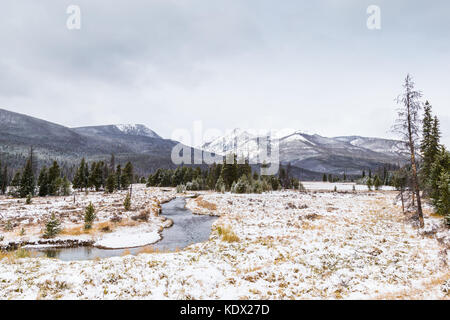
{"x": 310, "y": 65}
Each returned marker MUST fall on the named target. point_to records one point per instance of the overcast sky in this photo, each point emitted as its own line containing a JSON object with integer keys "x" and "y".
{"x": 308, "y": 65}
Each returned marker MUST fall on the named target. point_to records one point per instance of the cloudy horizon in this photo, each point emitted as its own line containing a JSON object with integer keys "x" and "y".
{"x": 314, "y": 67}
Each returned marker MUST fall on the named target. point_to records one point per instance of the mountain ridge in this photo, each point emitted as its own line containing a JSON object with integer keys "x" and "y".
{"x": 310, "y": 154}
{"x": 342, "y": 154}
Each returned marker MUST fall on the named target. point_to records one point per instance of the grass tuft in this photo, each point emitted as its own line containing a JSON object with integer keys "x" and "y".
{"x": 227, "y": 234}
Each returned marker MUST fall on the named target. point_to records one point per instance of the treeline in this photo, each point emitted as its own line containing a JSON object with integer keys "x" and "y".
{"x": 102, "y": 175}
{"x": 98, "y": 175}
{"x": 430, "y": 175}
{"x": 235, "y": 177}
{"x": 434, "y": 170}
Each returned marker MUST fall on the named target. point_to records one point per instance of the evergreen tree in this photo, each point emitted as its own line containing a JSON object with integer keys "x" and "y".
{"x": 429, "y": 145}
{"x": 4, "y": 183}
{"x": 440, "y": 165}
{"x": 54, "y": 179}
{"x": 242, "y": 185}
{"x": 119, "y": 177}
{"x": 443, "y": 203}
{"x": 78, "y": 179}
{"x": 52, "y": 227}
{"x": 28, "y": 201}
{"x": 111, "y": 183}
{"x": 377, "y": 182}
{"x": 127, "y": 202}
{"x": 127, "y": 176}
{"x": 324, "y": 178}
{"x": 220, "y": 185}
{"x": 89, "y": 216}
{"x": 27, "y": 182}
{"x": 43, "y": 182}
{"x": 1, "y": 178}
{"x": 65, "y": 187}
{"x": 369, "y": 184}
{"x": 15, "y": 184}
{"x": 244, "y": 169}
{"x": 229, "y": 171}
{"x": 96, "y": 175}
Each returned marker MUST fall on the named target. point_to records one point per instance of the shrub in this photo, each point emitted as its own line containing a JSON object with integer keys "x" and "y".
{"x": 377, "y": 182}
{"x": 192, "y": 186}
{"x": 181, "y": 188}
{"x": 220, "y": 185}
{"x": 369, "y": 184}
{"x": 9, "y": 226}
{"x": 300, "y": 186}
{"x": 28, "y": 201}
{"x": 242, "y": 186}
{"x": 142, "y": 216}
{"x": 52, "y": 227}
{"x": 265, "y": 185}
{"x": 89, "y": 216}
{"x": 257, "y": 187}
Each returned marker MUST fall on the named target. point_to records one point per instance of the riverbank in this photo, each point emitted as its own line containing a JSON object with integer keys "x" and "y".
{"x": 24, "y": 224}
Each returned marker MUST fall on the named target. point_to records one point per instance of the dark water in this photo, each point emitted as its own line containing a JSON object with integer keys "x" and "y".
{"x": 187, "y": 229}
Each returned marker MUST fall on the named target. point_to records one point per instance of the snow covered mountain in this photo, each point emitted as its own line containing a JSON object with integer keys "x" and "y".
{"x": 18, "y": 132}
{"x": 309, "y": 154}
{"x": 119, "y": 129}
{"x": 313, "y": 152}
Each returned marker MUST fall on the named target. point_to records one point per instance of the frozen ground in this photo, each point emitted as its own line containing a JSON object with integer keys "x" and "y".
{"x": 114, "y": 227}
{"x": 279, "y": 245}
{"x": 340, "y": 186}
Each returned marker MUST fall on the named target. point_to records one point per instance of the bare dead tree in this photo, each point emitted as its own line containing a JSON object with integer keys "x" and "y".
{"x": 408, "y": 126}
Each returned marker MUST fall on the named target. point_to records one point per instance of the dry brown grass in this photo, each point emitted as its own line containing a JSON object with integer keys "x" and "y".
{"x": 12, "y": 256}
{"x": 148, "y": 249}
{"x": 75, "y": 231}
{"x": 104, "y": 226}
{"x": 205, "y": 204}
{"x": 418, "y": 293}
{"x": 227, "y": 234}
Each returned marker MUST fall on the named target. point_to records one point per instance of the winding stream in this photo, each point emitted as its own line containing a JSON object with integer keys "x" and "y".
{"x": 187, "y": 229}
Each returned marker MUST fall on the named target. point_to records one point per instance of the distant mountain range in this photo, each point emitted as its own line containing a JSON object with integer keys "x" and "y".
{"x": 51, "y": 141}
{"x": 349, "y": 154}
{"x": 309, "y": 155}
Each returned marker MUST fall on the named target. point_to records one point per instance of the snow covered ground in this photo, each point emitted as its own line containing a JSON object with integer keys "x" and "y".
{"x": 114, "y": 227}
{"x": 340, "y": 186}
{"x": 278, "y": 245}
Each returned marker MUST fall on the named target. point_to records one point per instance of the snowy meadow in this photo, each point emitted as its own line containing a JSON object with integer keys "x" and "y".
{"x": 277, "y": 245}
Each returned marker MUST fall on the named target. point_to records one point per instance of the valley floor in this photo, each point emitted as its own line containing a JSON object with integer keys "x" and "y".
{"x": 277, "y": 245}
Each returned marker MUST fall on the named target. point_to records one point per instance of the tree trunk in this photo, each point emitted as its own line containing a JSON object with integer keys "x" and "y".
{"x": 414, "y": 168}
{"x": 416, "y": 188}
{"x": 403, "y": 201}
